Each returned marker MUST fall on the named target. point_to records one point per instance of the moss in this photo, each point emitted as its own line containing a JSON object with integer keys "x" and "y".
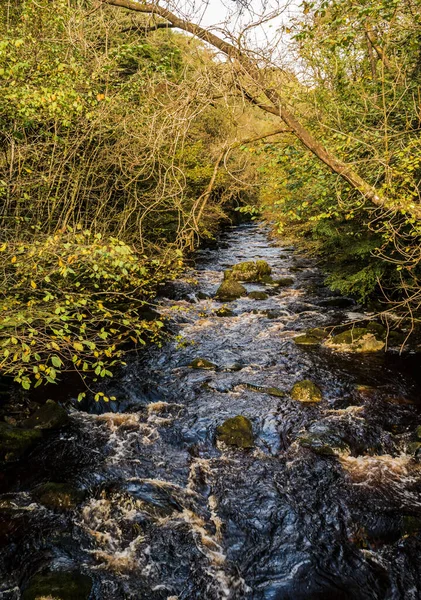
{"x": 237, "y": 431}
{"x": 229, "y": 290}
{"x": 203, "y": 363}
{"x": 306, "y": 340}
{"x": 357, "y": 339}
{"x": 15, "y": 442}
{"x": 58, "y": 586}
{"x": 418, "y": 432}
{"x": 272, "y": 391}
{"x": 59, "y": 496}
{"x": 258, "y": 296}
{"x": 249, "y": 271}
{"x": 306, "y": 391}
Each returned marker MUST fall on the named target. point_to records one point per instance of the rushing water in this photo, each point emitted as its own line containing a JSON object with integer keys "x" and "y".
{"x": 170, "y": 514}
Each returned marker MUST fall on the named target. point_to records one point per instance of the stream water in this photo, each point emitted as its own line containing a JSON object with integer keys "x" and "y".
{"x": 168, "y": 513}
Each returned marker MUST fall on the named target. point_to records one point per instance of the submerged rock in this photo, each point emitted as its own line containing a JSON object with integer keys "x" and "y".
{"x": 58, "y": 586}
{"x": 258, "y": 296}
{"x": 284, "y": 281}
{"x": 15, "y": 442}
{"x": 248, "y": 271}
{"x": 306, "y": 391}
{"x": 229, "y": 290}
{"x": 59, "y": 496}
{"x": 203, "y": 363}
{"x": 48, "y": 416}
{"x": 272, "y": 391}
{"x": 357, "y": 339}
{"x": 237, "y": 431}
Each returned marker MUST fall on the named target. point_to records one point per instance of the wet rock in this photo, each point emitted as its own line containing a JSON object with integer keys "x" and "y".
{"x": 15, "y": 442}
{"x": 203, "y": 363}
{"x": 322, "y": 440}
{"x": 58, "y": 586}
{"x": 306, "y": 391}
{"x": 273, "y": 313}
{"x": 237, "y": 431}
{"x": 48, "y": 416}
{"x": 418, "y": 433}
{"x": 358, "y": 339}
{"x": 202, "y": 296}
{"x": 284, "y": 281}
{"x": 248, "y": 271}
{"x": 272, "y": 391}
{"x": 337, "y": 302}
{"x": 229, "y": 290}
{"x": 237, "y": 366}
{"x": 224, "y": 312}
{"x": 312, "y": 337}
{"x": 59, "y": 496}
{"x": 258, "y": 296}
{"x": 414, "y": 448}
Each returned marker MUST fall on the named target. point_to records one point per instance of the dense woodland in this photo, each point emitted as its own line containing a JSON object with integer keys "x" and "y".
{"x": 129, "y": 135}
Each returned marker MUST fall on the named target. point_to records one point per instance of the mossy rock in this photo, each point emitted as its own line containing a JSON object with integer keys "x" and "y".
{"x": 59, "y": 496}
{"x": 312, "y": 337}
{"x": 418, "y": 432}
{"x": 237, "y": 431}
{"x": 203, "y": 296}
{"x": 248, "y": 271}
{"x": 48, "y": 416}
{"x": 58, "y": 586}
{"x": 323, "y": 445}
{"x": 271, "y": 390}
{"x": 224, "y": 312}
{"x": 15, "y": 442}
{"x": 203, "y": 363}
{"x": 284, "y": 281}
{"x": 229, "y": 290}
{"x": 258, "y": 296}
{"x": 414, "y": 448}
{"x": 377, "y": 329}
{"x": 306, "y": 391}
{"x": 357, "y": 339}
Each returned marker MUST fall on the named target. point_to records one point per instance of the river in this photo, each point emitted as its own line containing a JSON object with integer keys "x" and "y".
{"x": 326, "y": 505}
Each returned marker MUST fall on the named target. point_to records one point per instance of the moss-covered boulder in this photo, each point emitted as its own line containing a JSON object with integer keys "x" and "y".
{"x": 59, "y": 496}
{"x": 49, "y": 416}
{"x": 357, "y": 339}
{"x": 418, "y": 433}
{"x": 203, "y": 363}
{"x": 237, "y": 431}
{"x": 58, "y": 586}
{"x": 258, "y": 295}
{"x": 15, "y": 442}
{"x": 229, "y": 290}
{"x": 249, "y": 271}
{"x": 306, "y": 391}
{"x": 312, "y": 337}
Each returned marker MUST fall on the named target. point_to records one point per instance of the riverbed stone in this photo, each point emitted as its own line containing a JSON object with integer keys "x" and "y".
{"x": 248, "y": 271}
{"x": 284, "y": 281}
{"x": 203, "y": 363}
{"x": 224, "y": 312}
{"x": 357, "y": 339}
{"x": 271, "y": 390}
{"x": 59, "y": 496}
{"x": 16, "y": 441}
{"x": 49, "y": 416}
{"x": 306, "y": 391}
{"x": 258, "y": 295}
{"x": 229, "y": 290}
{"x": 58, "y": 586}
{"x": 236, "y": 431}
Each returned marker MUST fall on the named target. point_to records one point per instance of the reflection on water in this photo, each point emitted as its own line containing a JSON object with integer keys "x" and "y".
{"x": 326, "y": 505}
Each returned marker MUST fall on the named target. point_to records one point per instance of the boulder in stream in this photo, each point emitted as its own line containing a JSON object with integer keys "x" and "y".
{"x": 49, "y": 416}
{"x": 224, "y": 311}
{"x": 237, "y": 431}
{"x": 284, "y": 281}
{"x": 229, "y": 290}
{"x": 258, "y": 295}
{"x": 312, "y": 337}
{"x": 249, "y": 271}
{"x": 357, "y": 339}
{"x": 306, "y": 391}
{"x": 58, "y": 585}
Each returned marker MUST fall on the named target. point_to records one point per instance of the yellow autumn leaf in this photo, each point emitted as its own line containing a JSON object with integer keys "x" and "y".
{"x": 13, "y": 259}
{"x": 3, "y": 247}
{"x": 78, "y": 346}
{"x": 33, "y": 285}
